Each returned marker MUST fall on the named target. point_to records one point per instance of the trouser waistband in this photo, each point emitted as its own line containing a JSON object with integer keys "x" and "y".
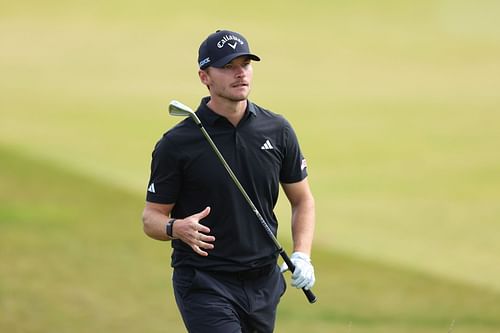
{"x": 249, "y": 274}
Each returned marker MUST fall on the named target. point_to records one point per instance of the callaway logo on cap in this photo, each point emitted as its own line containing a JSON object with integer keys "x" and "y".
{"x": 221, "y": 47}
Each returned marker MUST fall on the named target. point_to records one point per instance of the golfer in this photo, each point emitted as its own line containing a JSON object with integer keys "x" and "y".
{"x": 225, "y": 273}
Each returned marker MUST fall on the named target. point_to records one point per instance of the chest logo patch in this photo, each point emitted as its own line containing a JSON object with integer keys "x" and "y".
{"x": 267, "y": 145}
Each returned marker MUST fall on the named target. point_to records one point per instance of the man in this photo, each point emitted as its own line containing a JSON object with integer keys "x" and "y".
{"x": 226, "y": 277}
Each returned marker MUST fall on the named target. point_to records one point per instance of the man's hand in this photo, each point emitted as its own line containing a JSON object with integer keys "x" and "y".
{"x": 190, "y": 231}
{"x": 303, "y": 276}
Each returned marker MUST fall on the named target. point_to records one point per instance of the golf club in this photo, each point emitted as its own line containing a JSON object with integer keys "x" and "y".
{"x": 178, "y": 109}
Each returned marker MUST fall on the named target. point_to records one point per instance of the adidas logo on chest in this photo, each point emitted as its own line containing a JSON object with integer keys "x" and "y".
{"x": 267, "y": 145}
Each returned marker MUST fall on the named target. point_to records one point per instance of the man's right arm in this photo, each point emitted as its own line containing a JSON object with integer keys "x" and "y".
{"x": 155, "y": 218}
{"x": 189, "y": 230}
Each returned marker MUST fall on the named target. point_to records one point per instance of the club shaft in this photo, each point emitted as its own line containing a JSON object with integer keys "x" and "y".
{"x": 309, "y": 294}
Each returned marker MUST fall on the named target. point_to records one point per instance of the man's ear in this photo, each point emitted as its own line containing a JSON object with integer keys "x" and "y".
{"x": 203, "y": 74}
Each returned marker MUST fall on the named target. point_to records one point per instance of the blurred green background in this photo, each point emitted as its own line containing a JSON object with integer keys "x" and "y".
{"x": 396, "y": 104}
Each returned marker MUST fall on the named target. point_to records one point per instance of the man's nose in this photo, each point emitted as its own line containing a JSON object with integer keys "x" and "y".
{"x": 239, "y": 71}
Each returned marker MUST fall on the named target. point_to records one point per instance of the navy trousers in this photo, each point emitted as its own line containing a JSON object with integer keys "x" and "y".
{"x": 221, "y": 302}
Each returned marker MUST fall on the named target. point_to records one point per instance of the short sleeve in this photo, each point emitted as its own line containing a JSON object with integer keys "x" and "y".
{"x": 165, "y": 178}
{"x": 294, "y": 167}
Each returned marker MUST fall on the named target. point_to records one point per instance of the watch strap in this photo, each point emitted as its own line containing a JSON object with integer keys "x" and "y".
{"x": 170, "y": 228}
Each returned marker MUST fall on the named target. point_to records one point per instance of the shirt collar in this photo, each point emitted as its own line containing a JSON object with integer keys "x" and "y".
{"x": 210, "y": 117}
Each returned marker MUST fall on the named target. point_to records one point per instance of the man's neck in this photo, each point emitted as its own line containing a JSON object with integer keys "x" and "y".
{"x": 232, "y": 111}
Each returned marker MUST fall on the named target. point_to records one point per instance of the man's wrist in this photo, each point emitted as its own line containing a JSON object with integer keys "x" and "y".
{"x": 169, "y": 228}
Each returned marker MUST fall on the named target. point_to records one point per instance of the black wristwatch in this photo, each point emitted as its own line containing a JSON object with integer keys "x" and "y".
{"x": 169, "y": 228}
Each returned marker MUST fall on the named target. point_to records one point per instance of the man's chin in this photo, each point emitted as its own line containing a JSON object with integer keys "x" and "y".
{"x": 241, "y": 94}
{"x": 239, "y": 98}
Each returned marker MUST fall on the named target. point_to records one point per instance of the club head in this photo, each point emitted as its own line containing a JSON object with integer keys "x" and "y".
{"x": 176, "y": 108}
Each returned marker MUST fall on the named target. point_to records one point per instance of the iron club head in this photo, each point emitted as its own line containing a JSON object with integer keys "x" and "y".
{"x": 176, "y": 108}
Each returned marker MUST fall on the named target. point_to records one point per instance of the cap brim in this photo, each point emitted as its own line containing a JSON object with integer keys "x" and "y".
{"x": 227, "y": 59}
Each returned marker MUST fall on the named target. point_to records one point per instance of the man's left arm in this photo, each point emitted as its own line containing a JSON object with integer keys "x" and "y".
{"x": 303, "y": 221}
{"x": 303, "y": 215}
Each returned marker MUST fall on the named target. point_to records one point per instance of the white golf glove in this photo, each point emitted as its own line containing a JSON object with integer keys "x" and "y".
{"x": 303, "y": 276}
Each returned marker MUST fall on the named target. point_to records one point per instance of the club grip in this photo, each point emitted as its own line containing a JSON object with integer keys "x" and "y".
{"x": 308, "y": 292}
{"x": 310, "y": 295}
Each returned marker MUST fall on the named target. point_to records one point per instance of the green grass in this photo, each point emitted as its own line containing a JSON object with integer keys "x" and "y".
{"x": 396, "y": 106}
{"x": 74, "y": 259}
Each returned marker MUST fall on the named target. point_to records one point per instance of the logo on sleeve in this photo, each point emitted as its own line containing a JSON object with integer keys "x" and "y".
{"x": 303, "y": 165}
{"x": 151, "y": 188}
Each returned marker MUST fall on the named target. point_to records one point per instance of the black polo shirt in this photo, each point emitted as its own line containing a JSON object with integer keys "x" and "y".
{"x": 262, "y": 151}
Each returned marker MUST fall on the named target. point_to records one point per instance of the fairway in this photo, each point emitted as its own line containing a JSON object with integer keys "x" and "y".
{"x": 396, "y": 105}
{"x": 76, "y": 260}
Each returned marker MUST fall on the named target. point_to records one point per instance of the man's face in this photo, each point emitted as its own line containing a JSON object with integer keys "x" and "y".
{"x": 232, "y": 82}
